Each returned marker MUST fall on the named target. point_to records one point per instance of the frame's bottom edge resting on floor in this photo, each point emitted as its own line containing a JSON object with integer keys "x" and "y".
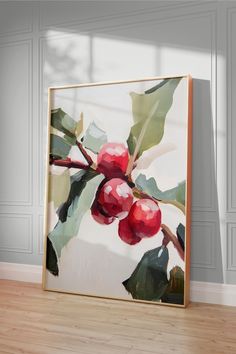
{"x": 213, "y": 293}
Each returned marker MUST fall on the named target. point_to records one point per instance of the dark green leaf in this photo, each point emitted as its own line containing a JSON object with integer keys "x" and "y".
{"x": 181, "y": 235}
{"x": 149, "y": 279}
{"x": 59, "y": 146}
{"x": 150, "y": 187}
{"x": 64, "y": 123}
{"x": 154, "y": 88}
{"x": 149, "y": 114}
{"x": 51, "y": 259}
{"x": 78, "y": 183}
{"x": 175, "y": 291}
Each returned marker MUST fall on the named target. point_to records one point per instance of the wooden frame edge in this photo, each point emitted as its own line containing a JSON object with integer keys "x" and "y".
{"x": 145, "y": 302}
{"x": 46, "y": 189}
{"x": 116, "y": 82}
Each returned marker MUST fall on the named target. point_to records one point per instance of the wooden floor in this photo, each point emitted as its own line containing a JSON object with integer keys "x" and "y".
{"x": 33, "y": 321}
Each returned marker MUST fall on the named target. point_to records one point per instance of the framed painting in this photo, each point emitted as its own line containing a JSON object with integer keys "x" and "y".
{"x": 118, "y": 190}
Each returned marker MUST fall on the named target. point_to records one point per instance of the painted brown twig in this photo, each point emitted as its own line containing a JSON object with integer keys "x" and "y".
{"x": 169, "y": 236}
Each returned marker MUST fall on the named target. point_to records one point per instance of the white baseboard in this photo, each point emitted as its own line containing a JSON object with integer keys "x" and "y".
{"x": 21, "y": 272}
{"x": 212, "y": 293}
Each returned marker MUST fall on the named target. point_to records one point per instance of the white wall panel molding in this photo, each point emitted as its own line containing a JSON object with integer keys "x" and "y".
{"x": 108, "y": 24}
{"x": 26, "y": 47}
{"x": 15, "y": 19}
{"x": 231, "y": 77}
{"x": 203, "y": 242}
{"x": 154, "y": 19}
{"x": 16, "y": 233}
{"x": 124, "y": 13}
{"x": 204, "y": 216}
{"x": 41, "y": 125}
{"x": 40, "y": 234}
{"x": 94, "y": 19}
{"x": 231, "y": 246}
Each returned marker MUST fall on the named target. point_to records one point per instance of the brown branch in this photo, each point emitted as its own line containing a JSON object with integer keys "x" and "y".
{"x": 169, "y": 236}
{"x": 84, "y": 153}
{"x": 69, "y": 163}
{"x": 75, "y": 163}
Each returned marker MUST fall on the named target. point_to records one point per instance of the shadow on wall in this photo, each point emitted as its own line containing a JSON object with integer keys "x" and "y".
{"x": 206, "y": 255}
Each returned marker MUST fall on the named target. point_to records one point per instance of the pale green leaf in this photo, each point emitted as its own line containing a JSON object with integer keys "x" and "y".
{"x": 94, "y": 138}
{"x": 79, "y": 126}
{"x": 150, "y": 187}
{"x": 149, "y": 114}
{"x": 59, "y": 187}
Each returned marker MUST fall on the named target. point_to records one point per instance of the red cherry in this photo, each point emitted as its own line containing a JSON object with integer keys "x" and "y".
{"x": 126, "y": 234}
{"x": 145, "y": 218}
{"x": 116, "y": 198}
{"x": 113, "y": 160}
{"x": 99, "y": 215}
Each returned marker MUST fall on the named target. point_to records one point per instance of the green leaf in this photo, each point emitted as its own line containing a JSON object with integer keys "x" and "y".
{"x": 181, "y": 235}
{"x": 64, "y": 123}
{"x": 51, "y": 259}
{"x": 78, "y": 182}
{"x": 175, "y": 291}
{"x": 159, "y": 85}
{"x": 149, "y": 114}
{"x": 150, "y": 187}
{"x": 59, "y": 147}
{"x": 83, "y": 188}
{"x": 149, "y": 279}
{"x": 94, "y": 138}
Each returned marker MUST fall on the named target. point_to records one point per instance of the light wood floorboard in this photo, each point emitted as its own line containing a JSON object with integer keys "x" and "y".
{"x": 33, "y": 321}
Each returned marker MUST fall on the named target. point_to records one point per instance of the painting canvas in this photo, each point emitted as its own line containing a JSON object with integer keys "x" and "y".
{"x": 118, "y": 190}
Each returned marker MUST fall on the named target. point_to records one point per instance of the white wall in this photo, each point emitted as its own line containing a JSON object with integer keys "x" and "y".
{"x": 51, "y": 43}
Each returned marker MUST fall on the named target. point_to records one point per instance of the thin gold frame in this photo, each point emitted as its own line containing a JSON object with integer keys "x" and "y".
{"x": 188, "y": 190}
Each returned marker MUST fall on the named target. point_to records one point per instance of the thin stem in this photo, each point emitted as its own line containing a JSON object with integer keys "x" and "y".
{"x": 169, "y": 236}
{"x": 75, "y": 164}
{"x": 69, "y": 163}
{"x": 84, "y": 153}
{"x": 165, "y": 240}
{"x": 174, "y": 203}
